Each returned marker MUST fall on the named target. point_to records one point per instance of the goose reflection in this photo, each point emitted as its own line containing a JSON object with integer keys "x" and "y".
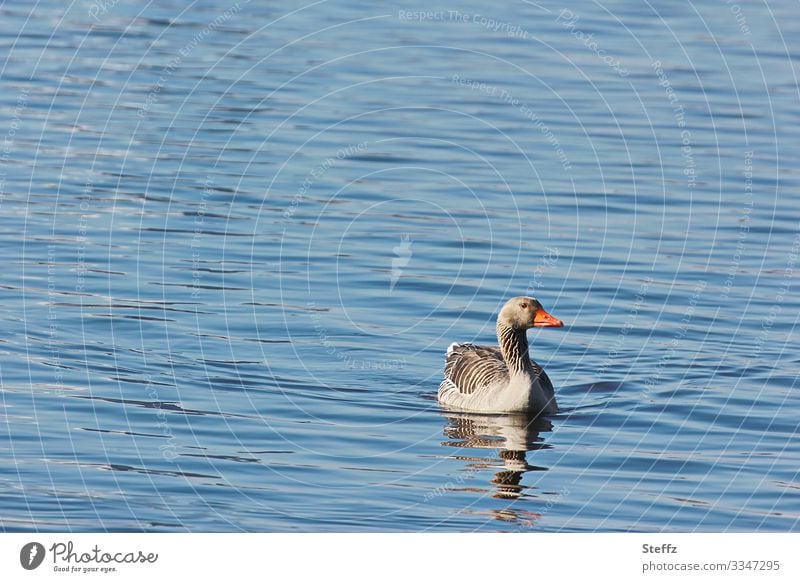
{"x": 509, "y": 436}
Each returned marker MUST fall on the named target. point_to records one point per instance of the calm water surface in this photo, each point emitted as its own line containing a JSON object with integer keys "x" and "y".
{"x": 238, "y": 240}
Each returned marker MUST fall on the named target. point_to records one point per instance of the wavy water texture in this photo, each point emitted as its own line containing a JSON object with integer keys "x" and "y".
{"x": 238, "y": 240}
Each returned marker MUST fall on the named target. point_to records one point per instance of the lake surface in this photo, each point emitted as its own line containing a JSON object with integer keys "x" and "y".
{"x": 238, "y": 240}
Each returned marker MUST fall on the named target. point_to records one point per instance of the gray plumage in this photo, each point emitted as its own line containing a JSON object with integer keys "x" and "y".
{"x": 501, "y": 378}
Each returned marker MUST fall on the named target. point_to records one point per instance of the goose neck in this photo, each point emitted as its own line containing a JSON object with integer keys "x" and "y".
{"x": 514, "y": 346}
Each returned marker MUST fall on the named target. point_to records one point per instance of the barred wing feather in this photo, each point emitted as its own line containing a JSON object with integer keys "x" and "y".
{"x": 469, "y": 367}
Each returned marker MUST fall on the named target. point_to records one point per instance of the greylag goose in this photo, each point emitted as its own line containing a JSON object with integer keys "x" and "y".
{"x": 501, "y": 379}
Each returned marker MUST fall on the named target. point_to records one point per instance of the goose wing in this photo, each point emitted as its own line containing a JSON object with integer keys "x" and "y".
{"x": 469, "y": 367}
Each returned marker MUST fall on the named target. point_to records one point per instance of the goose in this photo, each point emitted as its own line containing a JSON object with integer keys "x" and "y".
{"x": 504, "y": 378}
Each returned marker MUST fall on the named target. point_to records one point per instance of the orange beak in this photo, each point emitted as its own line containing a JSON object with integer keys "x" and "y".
{"x": 544, "y": 319}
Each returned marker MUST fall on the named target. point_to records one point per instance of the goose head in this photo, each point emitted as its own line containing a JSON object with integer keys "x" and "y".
{"x": 522, "y": 313}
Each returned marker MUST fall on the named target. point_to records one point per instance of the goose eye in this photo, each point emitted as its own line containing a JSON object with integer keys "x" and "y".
{"x": 524, "y": 305}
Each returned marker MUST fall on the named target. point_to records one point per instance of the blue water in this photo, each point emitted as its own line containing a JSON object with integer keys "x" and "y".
{"x": 239, "y": 239}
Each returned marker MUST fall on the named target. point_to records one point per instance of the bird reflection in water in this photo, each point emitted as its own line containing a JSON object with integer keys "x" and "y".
{"x": 509, "y": 436}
